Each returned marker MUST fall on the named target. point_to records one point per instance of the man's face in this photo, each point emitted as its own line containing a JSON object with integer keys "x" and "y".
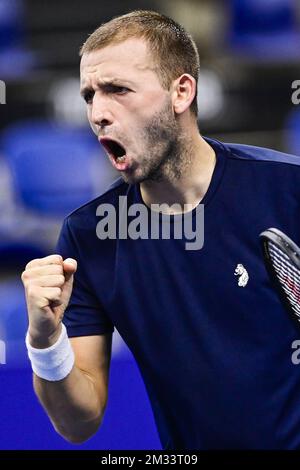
{"x": 129, "y": 110}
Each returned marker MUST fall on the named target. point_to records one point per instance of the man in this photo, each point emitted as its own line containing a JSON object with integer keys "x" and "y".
{"x": 208, "y": 332}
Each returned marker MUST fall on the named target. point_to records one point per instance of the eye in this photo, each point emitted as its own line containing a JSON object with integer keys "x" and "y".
{"x": 88, "y": 96}
{"x": 121, "y": 90}
{"x": 117, "y": 90}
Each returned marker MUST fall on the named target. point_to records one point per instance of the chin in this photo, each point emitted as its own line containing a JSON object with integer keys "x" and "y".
{"x": 133, "y": 177}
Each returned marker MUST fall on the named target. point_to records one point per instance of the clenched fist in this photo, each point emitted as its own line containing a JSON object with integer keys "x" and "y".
{"x": 48, "y": 286}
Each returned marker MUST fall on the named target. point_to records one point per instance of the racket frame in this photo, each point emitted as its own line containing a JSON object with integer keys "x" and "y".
{"x": 290, "y": 249}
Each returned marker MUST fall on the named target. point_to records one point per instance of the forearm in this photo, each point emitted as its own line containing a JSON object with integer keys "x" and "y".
{"x": 71, "y": 375}
{"x": 74, "y": 404}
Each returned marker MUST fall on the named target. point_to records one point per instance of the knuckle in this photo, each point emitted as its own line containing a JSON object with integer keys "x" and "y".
{"x": 56, "y": 269}
{"x": 57, "y": 259}
{"x": 32, "y": 263}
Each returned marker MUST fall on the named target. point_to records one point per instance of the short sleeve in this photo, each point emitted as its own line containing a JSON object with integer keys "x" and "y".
{"x": 84, "y": 315}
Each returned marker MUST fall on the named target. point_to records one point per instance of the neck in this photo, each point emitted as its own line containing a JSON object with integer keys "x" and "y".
{"x": 190, "y": 187}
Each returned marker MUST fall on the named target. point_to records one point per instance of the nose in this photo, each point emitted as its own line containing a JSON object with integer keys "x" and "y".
{"x": 100, "y": 112}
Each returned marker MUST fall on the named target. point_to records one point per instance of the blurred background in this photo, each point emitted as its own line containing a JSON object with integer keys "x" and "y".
{"x": 50, "y": 162}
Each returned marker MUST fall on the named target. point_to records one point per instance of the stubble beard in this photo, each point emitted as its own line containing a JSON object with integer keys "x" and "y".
{"x": 166, "y": 155}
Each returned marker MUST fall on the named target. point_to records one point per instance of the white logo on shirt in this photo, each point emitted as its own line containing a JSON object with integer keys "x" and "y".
{"x": 243, "y": 275}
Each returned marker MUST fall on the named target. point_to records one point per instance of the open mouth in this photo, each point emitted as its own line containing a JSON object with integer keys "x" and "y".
{"x": 115, "y": 149}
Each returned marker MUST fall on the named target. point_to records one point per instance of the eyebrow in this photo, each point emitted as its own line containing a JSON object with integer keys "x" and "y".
{"x": 104, "y": 84}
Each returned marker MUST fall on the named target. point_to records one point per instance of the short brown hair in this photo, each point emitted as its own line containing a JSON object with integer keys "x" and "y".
{"x": 173, "y": 49}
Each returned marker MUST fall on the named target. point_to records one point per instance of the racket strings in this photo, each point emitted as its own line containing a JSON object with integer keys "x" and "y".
{"x": 287, "y": 274}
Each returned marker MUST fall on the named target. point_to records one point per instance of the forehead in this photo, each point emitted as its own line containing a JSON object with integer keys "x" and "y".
{"x": 125, "y": 59}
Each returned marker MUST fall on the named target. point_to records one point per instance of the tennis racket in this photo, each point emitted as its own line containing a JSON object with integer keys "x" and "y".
{"x": 282, "y": 260}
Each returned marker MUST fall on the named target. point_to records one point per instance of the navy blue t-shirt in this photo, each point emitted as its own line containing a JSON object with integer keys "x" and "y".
{"x": 209, "y": 334}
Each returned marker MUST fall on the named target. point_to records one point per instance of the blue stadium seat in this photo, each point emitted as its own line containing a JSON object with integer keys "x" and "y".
{"x": 15, "y": 59}
{"x": 265, "y": 29}
{"x": 54, "y": 168}
{"x": 11, "y": 24}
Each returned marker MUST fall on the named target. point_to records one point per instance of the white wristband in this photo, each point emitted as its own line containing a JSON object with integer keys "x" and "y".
{"x": 53, "y": 363}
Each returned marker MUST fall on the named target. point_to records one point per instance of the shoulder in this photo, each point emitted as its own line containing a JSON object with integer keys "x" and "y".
{"x": 254, "y": 154}
{"x": 84, "y": 217}
{"x": 116, "y": 189}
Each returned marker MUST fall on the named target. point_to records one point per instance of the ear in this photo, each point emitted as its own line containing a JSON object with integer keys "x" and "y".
{"x": 184, "y": 91}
